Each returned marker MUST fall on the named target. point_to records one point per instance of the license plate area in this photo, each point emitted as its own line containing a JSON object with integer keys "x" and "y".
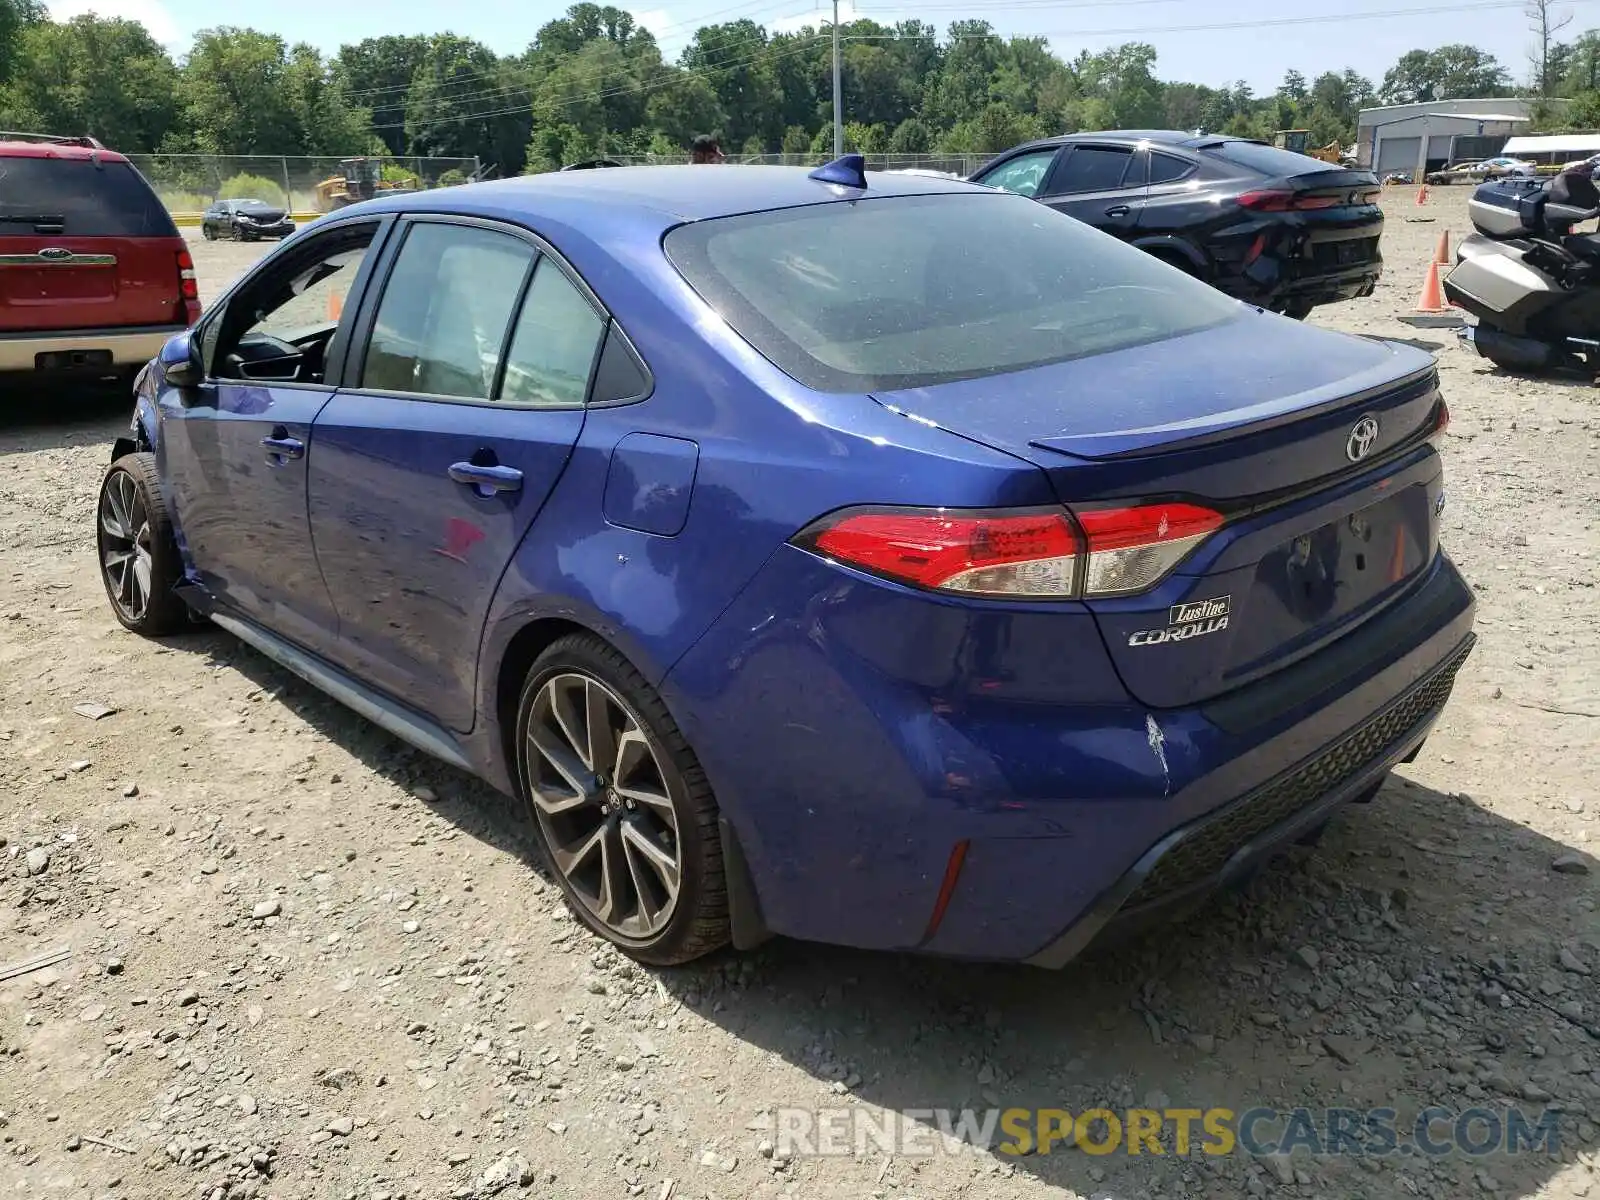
{"x": 72, "y": 360}
{"x": 1313, "y": 582}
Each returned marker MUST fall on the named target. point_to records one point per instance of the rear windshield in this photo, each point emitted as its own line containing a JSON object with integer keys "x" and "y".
{"x": 1269, "y": 160}
{"x": 75, "y": 198}
{"x": 911, "y": 291}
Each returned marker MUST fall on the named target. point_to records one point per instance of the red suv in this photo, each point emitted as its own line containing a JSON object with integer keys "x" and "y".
{"x": 93, "y": 275}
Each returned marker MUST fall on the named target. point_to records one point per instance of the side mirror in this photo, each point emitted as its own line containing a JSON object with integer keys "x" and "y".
{"x": 180, "y": 361}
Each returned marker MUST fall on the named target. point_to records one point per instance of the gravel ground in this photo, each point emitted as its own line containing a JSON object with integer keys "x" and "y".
{"x": 308, "y": 962}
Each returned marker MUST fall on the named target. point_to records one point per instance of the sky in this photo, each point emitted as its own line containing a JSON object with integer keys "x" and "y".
{"x": 1213, "y": 42}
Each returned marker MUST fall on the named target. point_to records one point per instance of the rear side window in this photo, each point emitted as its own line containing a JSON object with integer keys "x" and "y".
{"x": 554, "y": 344}
{"x": 445, "y": 311}
{"x": 911, "y": 291}
{"x": 1167, "y": 168}
{"x": 75, "y": 198}
{"x": 1092, "y": 169}
{"x": 1269, "y": 160}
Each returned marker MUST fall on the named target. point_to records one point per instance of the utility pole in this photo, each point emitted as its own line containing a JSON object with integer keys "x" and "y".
{"x": 838, "y": 103}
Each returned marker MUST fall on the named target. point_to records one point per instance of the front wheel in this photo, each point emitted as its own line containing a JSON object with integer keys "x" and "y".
{"x": 208, "y": 233}
{"x": 138, "y": 551}
{"x": 237, "y": 234}
{"x": 625, "y": 814}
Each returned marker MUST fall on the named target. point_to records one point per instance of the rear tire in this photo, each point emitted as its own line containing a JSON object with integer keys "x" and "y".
{"x": 624, "y": 813}
{"x": 138, "y": 551}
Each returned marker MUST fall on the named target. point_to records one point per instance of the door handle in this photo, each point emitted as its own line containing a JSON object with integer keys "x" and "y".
{"x": 281, "y": 446}
{"x": 487, "y": 480}
{"x": 1118, "y": 210}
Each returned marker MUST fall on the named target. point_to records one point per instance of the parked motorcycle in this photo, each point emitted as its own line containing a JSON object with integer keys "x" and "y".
{"x": 1532, "y": 284}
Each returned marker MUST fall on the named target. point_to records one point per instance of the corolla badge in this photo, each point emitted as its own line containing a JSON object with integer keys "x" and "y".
{"x": 1362, "y": 438}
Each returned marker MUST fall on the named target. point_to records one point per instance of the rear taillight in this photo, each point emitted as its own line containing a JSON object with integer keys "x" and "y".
{"x": 1018, "y": 553}
{"x": 1282, "y": 200}
{"x": 1441, "y": 423}
{"x": 188, "y": 287}
{"x": 1131, "y": 549}
{"x": 1040, "y": 554}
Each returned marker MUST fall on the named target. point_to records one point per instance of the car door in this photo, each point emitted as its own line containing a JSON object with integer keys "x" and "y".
{"x": 234, "y": 451}
{"x": 464, "y": 407}
{"x": 1101, "y": 184}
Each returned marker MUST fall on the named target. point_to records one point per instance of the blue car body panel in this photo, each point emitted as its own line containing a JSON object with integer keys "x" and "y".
{"x": 863, "y": 738}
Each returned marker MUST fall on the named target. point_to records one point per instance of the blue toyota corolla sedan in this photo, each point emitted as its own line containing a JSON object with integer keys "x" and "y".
{"x": 873, "y": 559}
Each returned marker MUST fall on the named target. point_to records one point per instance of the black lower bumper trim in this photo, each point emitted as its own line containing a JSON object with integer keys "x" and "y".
{"x": 1197, "y": 859}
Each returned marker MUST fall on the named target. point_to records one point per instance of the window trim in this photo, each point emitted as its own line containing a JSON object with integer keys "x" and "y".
{"x": 1052, "y": 188}
{"x": 361, "y": 332}
{"x": 338, "y": 345}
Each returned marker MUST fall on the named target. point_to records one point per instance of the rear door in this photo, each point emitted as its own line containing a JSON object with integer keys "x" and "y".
{"x": 84, "y": 244}
{"x": 430, "y": 468}
{"x": 1101, "y": 184}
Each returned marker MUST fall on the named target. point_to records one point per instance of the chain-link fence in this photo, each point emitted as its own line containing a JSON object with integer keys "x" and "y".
{"x": 188, "y": 184}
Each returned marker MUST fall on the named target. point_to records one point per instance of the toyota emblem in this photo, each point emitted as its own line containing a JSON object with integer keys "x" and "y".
{"x": 1362, "y": 439}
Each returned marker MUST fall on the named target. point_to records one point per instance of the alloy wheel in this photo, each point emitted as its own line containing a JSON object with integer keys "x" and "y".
{"x": 125, "y": 545}
{"x": 602, "y": 796}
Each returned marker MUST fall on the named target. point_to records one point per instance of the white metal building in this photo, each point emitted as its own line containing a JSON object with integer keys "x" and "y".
{"x": 1556, "y": 149}
{"x": 1428, "y": 137}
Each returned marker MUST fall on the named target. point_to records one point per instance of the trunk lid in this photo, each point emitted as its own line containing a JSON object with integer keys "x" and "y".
{"x": 84, "y": 245}
{"x": 1260, "y": 423}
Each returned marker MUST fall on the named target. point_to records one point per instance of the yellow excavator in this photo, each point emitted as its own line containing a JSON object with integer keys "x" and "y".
{"x": 1298, "y": 141}
{"x": 358, "y": 179}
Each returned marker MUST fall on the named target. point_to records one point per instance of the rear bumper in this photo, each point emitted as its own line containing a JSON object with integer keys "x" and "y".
{"x": 860, "y": 741}
{"x": 1289, "y": 285}
{"x": 1192, "y": 863}
{"x": 128, "y": 347}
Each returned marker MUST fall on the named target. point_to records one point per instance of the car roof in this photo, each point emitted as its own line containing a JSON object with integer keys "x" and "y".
{"x": 1184, "y": 139}
{"x": 662, "y": 196}
{"x": 19, "y": 149}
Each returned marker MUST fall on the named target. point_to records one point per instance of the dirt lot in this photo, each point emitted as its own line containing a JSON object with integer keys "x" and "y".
{"x": 417, "y": 1018}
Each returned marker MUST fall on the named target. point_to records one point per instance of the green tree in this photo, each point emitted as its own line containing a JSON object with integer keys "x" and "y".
{"x": 463, "y": 103}
{"x": 1454, "y": 72}
{"x": 732, "y": 60}
{"x": 236, "y": 97}
{"x": 376, "y": 74}
{"x": 104, "y": 77}
{"x": 15, "y": 16}
{"x": 332, "y": 125}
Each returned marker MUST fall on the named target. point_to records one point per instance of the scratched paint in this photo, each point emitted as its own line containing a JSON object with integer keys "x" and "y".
{"x": 1158, "y": 746}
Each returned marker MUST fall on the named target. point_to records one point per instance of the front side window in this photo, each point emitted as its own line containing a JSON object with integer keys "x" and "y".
{"x": 1024, "y": 175}
{"x": 913, "y": 291}
{"x": 442, "y": 322}
{"x": 278, "y": 326}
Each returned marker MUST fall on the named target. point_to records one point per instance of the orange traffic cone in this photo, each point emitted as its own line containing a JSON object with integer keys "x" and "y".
{"x": 1432, "y": 298}
{"x": 335, "y": 306}
{"x": 1422, "y": 195}
{"x": 1442, "y": 254}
